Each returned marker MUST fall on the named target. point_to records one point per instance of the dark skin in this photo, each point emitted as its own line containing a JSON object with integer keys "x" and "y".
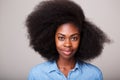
{"x": 67, "y": 40}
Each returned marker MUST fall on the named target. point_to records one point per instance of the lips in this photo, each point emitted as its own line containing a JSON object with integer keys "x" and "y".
{"x": 67, "y": 52}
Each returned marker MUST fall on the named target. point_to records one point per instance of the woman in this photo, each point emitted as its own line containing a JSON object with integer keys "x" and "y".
{"x": 58, "y": 30}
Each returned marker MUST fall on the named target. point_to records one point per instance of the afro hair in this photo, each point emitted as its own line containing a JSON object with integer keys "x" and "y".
{"x": 47, "y": 16}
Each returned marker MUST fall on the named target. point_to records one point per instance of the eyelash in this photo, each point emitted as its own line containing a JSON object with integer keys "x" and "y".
{"x": 72, "y": 38}
{"x": 61, "y": 38}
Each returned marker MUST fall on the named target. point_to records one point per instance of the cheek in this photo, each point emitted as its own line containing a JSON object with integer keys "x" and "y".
{"x": 58, "y": 43}
{"x": 76, "y": 45}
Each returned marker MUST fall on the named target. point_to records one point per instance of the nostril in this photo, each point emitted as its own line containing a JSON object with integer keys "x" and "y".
{"x": 67, "y": 44}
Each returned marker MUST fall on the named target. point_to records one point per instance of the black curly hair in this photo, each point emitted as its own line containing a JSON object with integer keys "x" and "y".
{"x": 47, "y": 16}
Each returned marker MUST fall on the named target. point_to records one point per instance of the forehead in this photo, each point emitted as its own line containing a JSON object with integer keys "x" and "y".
{"x": 68, "y": 28}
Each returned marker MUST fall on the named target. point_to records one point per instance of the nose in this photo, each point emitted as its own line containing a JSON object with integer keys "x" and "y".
{"x": 67, "y": 43}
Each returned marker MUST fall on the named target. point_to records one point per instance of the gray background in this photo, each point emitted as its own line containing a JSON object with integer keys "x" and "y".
{"x": 17, "y": 58}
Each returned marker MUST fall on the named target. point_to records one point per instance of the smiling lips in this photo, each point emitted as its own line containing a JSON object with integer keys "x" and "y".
{"x": 67, "y": 52}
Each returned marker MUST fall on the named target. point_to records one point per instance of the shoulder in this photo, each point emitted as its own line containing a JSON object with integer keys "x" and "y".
{"x": 41, "y": 67}
{"x": 91, "y": 70}
{"x": 91, "y": 67}
{"x": 39, "y": 71}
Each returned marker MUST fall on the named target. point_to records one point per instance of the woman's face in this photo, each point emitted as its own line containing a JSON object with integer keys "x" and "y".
{"x": 67, "y": 39}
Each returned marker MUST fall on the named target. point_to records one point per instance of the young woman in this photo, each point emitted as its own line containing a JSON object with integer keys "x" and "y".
{"x": 59, "y": 31}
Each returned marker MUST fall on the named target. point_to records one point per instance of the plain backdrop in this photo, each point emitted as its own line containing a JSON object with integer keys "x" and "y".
{"x": 17, "y": 58}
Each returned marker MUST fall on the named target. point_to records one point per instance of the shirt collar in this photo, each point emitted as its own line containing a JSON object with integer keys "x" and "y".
{"x": 53, "y": 66}
{"x": 77, "y": 67}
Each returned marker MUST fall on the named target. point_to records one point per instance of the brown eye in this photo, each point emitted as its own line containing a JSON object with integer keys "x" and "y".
{"x": 74, "y": 38}
{"x": 61, "y": 38}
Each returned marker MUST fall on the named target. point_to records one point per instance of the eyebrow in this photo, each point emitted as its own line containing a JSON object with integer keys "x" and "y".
{"x": 70, "y": 35}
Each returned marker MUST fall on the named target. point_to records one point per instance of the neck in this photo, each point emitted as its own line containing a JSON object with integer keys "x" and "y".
{"x": 66, "y": 62}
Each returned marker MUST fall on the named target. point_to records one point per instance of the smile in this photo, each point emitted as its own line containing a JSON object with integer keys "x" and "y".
{"x": 67, "y": 52}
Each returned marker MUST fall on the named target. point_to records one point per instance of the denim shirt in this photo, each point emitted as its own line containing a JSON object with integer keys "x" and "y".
{"x": 49, "y": 71}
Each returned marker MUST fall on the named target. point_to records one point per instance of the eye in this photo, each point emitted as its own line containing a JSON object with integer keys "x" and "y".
{"x": 74, "y": 38}
{"x": 61, "y": 38}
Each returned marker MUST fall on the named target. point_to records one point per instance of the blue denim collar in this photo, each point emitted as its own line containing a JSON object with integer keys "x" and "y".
{"x": 53, "y": 67}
